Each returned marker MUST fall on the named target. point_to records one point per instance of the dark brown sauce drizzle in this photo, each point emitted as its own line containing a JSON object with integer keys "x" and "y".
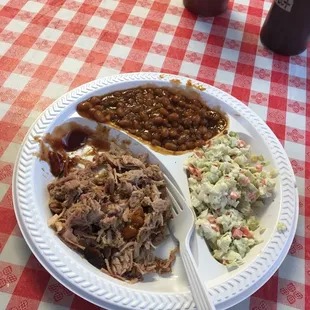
{"x": 70, "y": 137}
{"x": 74, "y": 140}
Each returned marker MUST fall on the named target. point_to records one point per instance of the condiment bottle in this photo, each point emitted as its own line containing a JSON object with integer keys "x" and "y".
{"x": 287, "y": 27}
{"x": 206, "y": 7}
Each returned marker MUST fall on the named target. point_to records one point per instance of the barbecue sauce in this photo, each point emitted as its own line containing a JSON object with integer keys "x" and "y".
{"x": 70, "y": 137}
{"x": 287, "y": 27}
{"x": 74, "y": 140}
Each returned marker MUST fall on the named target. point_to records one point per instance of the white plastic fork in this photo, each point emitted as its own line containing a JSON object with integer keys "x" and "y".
{"x": 181, "y": 226}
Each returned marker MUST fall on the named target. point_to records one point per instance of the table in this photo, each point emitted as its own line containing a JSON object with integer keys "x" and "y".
{"x": 48, "y": 47}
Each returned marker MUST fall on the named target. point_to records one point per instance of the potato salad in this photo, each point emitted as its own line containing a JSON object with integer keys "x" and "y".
{"x": 226, "y": 182}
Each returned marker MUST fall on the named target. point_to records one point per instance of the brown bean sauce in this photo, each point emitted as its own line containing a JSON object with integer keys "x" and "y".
{"x": 162, "y": 117}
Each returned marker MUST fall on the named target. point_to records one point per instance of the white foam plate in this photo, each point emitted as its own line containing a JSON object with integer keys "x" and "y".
{"x": 157, "y": 292}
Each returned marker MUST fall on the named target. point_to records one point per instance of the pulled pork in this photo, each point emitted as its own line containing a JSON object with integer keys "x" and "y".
{"x": 114, "y": 211}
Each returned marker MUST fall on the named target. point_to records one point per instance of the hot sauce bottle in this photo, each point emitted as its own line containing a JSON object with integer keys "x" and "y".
{"x": 287, "y": 27}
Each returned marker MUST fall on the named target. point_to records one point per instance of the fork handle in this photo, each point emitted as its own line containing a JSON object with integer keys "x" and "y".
{"x": 198, "y": 289}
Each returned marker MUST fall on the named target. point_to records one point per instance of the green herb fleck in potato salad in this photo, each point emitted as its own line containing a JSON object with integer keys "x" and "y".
{"x": 226, "y": 182}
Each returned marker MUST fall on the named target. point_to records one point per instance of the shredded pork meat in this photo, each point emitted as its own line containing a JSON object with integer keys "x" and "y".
{"x": 114, "y": 211}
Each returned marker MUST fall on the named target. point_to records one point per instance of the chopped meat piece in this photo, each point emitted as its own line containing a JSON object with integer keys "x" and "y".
{"x": 153, "y": 172}
{"x": 126, "y": 215}
{"x": 135, "y": 198}
{"x": 146, "y": 201}
{"x": 94, "y": 256}
{"x": 57, "y": 163}
{"x": 107, "y": 158}
{"x": 129, "y": 161}
{"x": 110, "y": 185}
{"x": 114, "y": 209}
{"x": 51, "y": 221}
{"x": 72, "y": 184}
{"x": 164, "y": 265}
{"x": 108, "y": 222}
{"x": 160, "y": 205}
{"x": 143, "y": 157}
{"x": 125, "y": 189}
{"x": 71, "y": 239}
{"x": 132, "y": 176}
{"x": 154, "y": 192}
{"x": 56, "y": 206}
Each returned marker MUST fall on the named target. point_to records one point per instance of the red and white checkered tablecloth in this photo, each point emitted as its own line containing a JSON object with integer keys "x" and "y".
{"x": 48, "y": 47}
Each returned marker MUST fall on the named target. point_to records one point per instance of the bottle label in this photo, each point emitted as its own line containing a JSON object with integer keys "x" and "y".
{"x": 285, "y": 4}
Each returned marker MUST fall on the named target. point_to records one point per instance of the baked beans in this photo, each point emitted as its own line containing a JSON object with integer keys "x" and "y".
{"x": 157, "y": 115}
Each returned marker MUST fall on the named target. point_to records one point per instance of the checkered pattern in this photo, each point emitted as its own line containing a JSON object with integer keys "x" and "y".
{"x": 48, "y": 47}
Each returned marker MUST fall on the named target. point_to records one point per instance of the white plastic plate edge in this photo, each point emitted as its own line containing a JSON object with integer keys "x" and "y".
{"x": 108, "y": 294}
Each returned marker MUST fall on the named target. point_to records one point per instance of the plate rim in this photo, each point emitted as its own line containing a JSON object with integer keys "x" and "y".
{"x": 103, "y": 296}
